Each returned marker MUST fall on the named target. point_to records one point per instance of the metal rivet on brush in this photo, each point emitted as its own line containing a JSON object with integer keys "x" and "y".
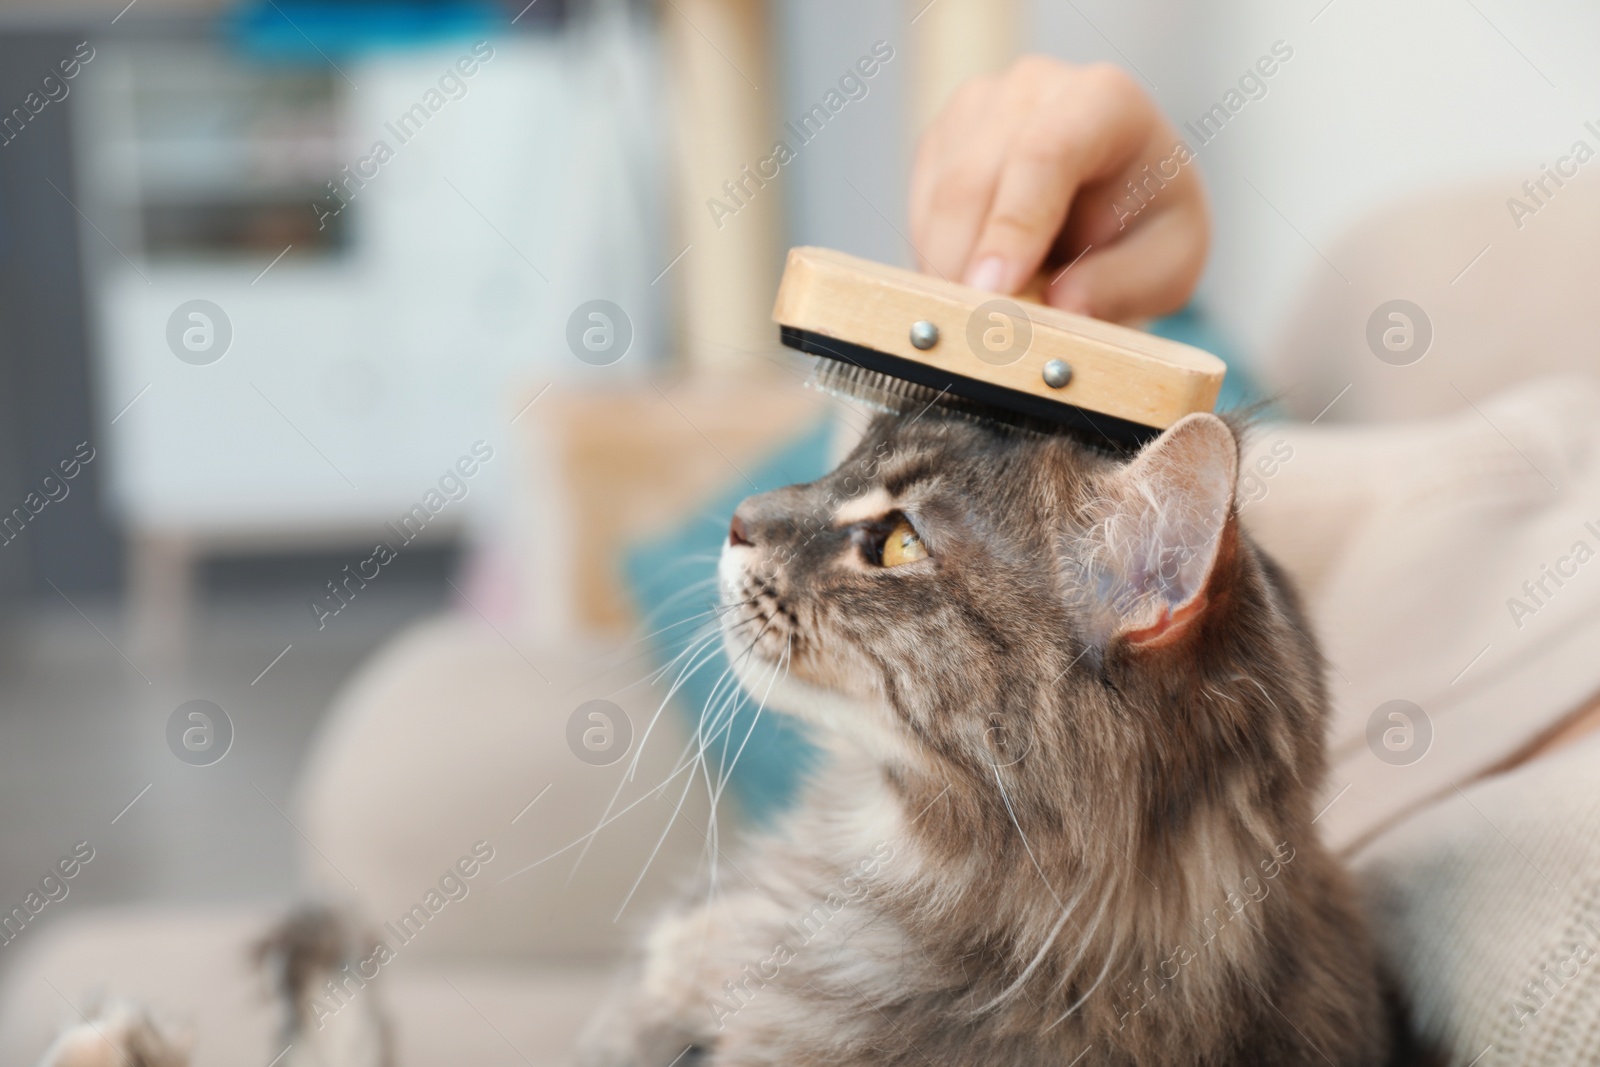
{"x": 924, "y": 335}
{"x": 1057, "y": 373}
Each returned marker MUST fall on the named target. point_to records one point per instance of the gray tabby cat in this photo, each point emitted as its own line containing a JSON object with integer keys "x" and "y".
{"x": 1074, "y": 724}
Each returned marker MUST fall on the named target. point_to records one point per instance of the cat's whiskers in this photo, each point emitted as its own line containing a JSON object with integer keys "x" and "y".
{"x": 632, "y": 644}
{"x": 716, "y": 610}
{"x": 733, "y": 703}
{"x": 729, "y": 705}
{"x": 783, "y": 666}
{"x": 717, "y": 717}
{"x": 695, "y": 646}
{"x": 710, "y": 646}
{"x": 727, "y": 766}
{"x": 705, "y": 625}
{"x": 696, "y": 762}
{"x": 713, "y": 712}
{"x": 671, "y": 820}
{"x": 698, "y": 658}
{"x": 692, "y": 647}
{"x": 687, "y": 590}
{"x": 588, "y": 836}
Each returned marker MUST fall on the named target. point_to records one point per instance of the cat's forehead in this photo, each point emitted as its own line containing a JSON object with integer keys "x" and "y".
{"x": 899, "y": 453}
{"x": 895, "y": 444}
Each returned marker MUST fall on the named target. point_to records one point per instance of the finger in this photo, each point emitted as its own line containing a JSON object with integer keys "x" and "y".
{"x": 958, "y": 177}
{"x": 938, "y": 153}
{"x": 1151, "y": 271}
{"x": 925, "y": 168}
{"x": 1162, "y": 178}
{"x": 1090, "y": 127}
{"x": 941, "y": 138}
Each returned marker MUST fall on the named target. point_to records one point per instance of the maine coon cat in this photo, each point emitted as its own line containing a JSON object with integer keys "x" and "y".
{"x": 1075, "y": 724}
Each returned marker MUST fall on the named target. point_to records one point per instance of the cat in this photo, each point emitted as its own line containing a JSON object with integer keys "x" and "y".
{"x": 1074, "y": 724}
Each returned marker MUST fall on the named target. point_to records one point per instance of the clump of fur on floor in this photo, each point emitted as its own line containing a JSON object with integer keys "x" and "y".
{"x": 307, "y": 959}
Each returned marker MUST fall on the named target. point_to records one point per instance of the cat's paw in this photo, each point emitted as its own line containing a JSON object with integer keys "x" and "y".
{"x": 114, "y": 1035}
{"x": 639, "y": 1049}
{"x": 666, "y": 1009}
{"x": 635, "y": 1029}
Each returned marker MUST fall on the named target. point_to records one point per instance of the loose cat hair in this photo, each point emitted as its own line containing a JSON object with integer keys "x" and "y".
{"x": 332, "y": 1014}
{"x": 1074, "y": 722}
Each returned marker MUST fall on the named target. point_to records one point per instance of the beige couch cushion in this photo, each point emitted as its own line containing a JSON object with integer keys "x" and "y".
{"x": 1522, "y": 310}
{"x": 190, "y": 968}
{"x": 444, "y": 739}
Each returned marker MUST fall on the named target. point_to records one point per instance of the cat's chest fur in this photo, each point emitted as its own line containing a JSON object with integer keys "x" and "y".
{"x": 859, "y": 931}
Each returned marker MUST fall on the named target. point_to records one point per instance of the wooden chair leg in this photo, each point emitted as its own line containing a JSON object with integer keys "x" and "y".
{"x": 953, "y": 40}
{"x": 161, "y": 599}
{"x": 726, "y": 94}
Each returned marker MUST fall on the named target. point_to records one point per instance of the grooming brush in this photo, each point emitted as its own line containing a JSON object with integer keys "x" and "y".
{"x": 899, "y": 340}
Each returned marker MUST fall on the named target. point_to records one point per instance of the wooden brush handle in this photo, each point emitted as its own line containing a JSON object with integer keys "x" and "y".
{"x": 1115, "y": 370}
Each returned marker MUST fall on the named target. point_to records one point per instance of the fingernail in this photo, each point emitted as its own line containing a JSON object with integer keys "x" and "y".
{"x": 987, "y": 274}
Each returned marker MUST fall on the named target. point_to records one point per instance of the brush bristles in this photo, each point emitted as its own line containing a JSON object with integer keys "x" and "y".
{"x": 896, "y": 396}
{"x": 879, "y": 391}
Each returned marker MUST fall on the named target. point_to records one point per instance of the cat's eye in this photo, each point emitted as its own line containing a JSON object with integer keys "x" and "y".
{"x": 903, "y": 545}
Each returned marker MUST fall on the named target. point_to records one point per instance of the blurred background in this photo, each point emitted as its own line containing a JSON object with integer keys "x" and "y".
{"x": 380, "y": 375}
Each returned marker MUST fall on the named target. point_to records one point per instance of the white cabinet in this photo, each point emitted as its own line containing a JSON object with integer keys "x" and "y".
{"x": 377, "y": 349}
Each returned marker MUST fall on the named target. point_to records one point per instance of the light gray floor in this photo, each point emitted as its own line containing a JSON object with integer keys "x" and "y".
{"x": 82, "y": 734}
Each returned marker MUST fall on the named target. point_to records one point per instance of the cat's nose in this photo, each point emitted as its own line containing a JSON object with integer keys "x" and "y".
{"x": 737, "y": 534}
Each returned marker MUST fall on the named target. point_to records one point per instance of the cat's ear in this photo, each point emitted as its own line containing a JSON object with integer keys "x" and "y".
{"x": 1161, "y": 525}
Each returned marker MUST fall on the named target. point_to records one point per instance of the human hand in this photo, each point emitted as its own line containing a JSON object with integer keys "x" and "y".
{"x": 1028, "y": 170}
